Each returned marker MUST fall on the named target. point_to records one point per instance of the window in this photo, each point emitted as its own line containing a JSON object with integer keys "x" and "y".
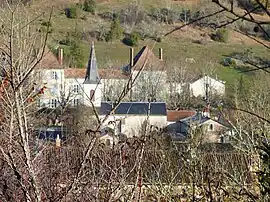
{"x": 54, "y": 75}
{"x": 211, "y": 127}
{"x": 76, "y": 89}
{"x": 108, "y": 142}
{"x": 92, "y": 95}
{"x": 76, "y": 102}
{"x": 53, "y": 103}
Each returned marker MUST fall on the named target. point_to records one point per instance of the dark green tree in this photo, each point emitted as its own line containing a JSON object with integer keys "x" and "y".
{"x": 116, "y": 31}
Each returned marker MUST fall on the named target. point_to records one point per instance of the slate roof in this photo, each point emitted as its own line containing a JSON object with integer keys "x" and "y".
{"x": 134, "y": 108}
{"x": 91, "y": 76}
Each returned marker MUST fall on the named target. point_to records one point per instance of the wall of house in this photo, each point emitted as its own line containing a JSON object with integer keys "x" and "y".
{"x": 198, "y": 88}
{"x": 213, "y": 131}
{"x": 131, "y": 125}
{"x": 53, "y": 80}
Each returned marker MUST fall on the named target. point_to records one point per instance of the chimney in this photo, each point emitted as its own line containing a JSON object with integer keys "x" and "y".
{"x": 160, "y": 54}
{"x": 131, "y": 57}
{"x": 60, "y": 56}
{"x": 58, "y": 142}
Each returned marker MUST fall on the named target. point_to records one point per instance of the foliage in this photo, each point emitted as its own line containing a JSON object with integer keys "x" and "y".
{"x": 46, "y": 23}
{"x": 71, "y": 12}
{"x": 165, "y": 15}
{"x": 228, "y": 61}
{"x": 89, "y": 6}
{"x": 133, "y": 15}
{"x": 132, "y": 39}
{"x": 73, "y": 50}
{"x": 116, "y": 30}
{"x": 221, "y": 35}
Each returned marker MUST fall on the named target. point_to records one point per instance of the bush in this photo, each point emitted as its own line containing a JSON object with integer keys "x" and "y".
{"x": 89, "y": 6}
{"x": 222, "y": 35}
{"x": 132, "y": 39}
{"x": 228, "y": 61}
{"x": 46, "y": 23}
{"x": 71, "y": 12}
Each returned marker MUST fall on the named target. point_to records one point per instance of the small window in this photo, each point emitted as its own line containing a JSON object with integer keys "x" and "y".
{"x": 76, "y": 88}
{"x": 53, "y": 103}
{"x": 76, "y": 102}
{"x": 123, "y": 121}
{"x": 108, "y": 142}
{"x": 211, "y": 127}
{"x": 92, "y": 95}
{"x": 54, "y": 75}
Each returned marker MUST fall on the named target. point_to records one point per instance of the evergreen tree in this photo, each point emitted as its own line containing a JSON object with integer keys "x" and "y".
{"x": 116, "y": 31}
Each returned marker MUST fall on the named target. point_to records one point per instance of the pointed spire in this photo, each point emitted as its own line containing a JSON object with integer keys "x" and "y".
{"x": 92, "y": 76}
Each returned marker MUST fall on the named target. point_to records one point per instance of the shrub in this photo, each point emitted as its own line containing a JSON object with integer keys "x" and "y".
{"x": 222, "y": 35}
{"x": 132, "y": 39}
{"x": 89, "y": 6}
{"x": 228, "y": 61}
{"x": 71, "y": 12}
{"x": 46, "y": 23}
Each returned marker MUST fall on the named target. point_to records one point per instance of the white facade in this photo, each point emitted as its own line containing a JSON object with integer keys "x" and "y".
{"x": 132, "y": 125}
{"x": 199, "y": 87}
{"x": 92, "y": 94}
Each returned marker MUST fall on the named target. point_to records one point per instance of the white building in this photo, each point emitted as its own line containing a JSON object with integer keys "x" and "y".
{"x": 130, "y": 118}
{"x": 206, "y": 85}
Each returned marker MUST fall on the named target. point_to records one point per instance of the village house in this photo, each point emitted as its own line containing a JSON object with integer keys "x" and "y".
{"x": 206, "y": 84}
{"x": 211, "y": 130}
{"x": 130, "y": 118}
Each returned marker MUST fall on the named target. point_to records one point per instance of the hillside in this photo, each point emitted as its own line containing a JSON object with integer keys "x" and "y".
{"x": 191, "y": 42}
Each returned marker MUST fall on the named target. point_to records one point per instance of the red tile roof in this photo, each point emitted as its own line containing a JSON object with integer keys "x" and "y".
{"x": 103, "y": 73}
{"x": 147, "y": 56}
{"x": 178, "y": 115}
{"x": 49, "y": 60}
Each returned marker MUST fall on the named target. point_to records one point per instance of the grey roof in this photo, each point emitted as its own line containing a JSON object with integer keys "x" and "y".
{"x": 92, "y": 76}
{"x": 135, "y": 108}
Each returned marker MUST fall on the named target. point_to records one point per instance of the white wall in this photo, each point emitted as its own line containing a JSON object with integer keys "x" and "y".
{"x": 198, "y": 88}
{"x": 53, "y": 80}
{"x": 132, "y": 124}
{"x": 97, "y": 96}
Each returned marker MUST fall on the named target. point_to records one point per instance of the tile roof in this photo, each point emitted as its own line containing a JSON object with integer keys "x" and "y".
{"x": 135, "y": 108}
{"x": 49, "y": 60}
{"x": 178, "y": 115}
{"x": 107, "y": 73}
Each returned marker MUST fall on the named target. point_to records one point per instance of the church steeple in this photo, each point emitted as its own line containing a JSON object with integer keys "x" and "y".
{"x": 92, "y": 76}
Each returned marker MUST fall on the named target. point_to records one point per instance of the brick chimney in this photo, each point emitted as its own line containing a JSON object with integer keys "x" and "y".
{"x": 60, "y": 56}
{"x": 160, "y": 54}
